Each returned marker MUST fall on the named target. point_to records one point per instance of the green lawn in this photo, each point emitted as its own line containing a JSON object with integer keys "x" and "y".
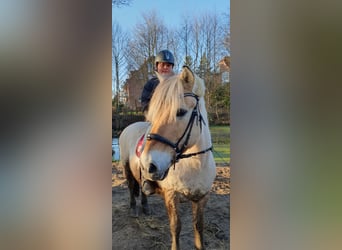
{"x": 220, "y": 136}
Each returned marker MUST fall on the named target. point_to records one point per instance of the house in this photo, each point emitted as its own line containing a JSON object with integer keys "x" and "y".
{"x": 134, "y": 85}
{"x": 224, "y": 69}
{"x": 133, "y": 89}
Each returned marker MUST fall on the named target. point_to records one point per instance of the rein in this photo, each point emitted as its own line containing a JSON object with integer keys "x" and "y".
{"x": 186, "y": 134}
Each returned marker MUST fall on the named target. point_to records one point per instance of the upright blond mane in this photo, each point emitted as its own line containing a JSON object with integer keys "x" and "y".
{"x": 166, "y": 100}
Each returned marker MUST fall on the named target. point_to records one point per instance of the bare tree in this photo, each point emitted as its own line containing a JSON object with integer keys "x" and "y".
{"x": 149, "y": 36}
{"x": 119, "y": 43}
{"x": 226, "y": 32}
{"x": 197, "y": 41}
{"x": 203, "y": 34}
{"x": 184, "y": 34}
{"x": 174, "y": 45}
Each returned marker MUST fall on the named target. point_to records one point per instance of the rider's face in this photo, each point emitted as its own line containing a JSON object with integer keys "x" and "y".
{"x": 164, "y": 68}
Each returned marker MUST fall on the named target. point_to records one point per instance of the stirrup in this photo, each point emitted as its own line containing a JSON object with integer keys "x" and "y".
{"x": 147, "y": 188}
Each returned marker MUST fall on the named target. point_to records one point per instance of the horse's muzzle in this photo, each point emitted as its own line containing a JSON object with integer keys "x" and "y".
{"x": 156, "y": 175}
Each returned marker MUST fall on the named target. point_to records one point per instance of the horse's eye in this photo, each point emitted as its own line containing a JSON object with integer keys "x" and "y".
{"x": 181, "y": 112}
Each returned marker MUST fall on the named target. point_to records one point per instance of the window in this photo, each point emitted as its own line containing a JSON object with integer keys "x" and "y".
{"x": 225, "y": 77}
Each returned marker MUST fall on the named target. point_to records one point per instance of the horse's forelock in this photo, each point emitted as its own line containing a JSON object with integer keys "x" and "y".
{"x": 166, "y": 100}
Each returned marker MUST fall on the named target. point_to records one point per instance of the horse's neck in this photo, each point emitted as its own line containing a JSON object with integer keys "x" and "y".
{"x": 205, "y": 138}
{"x": 205, "y": 122}
{"x": 204, "y": 141}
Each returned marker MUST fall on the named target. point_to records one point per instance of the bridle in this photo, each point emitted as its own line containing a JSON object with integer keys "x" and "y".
{"x": 195, "y": 116}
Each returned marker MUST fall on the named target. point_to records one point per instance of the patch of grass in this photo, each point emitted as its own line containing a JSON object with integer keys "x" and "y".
{"x": 221, "y": 129}
{"x": 220, "y": 136}
{"x": 221, "y": 153}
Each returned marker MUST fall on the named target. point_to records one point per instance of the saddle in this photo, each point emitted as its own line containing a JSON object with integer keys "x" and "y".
{"x": 140, "y": 146}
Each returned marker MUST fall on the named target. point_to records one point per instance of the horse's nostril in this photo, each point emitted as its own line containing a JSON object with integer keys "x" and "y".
{"x": 152, "y": 168}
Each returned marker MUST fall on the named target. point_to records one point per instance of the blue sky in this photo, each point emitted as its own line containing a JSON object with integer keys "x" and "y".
{"x": 170, "y": 11}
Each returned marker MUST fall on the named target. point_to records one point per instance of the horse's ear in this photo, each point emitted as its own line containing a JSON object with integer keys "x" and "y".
{"x": 192, "y": 82}
{"x": 188, "y": 78}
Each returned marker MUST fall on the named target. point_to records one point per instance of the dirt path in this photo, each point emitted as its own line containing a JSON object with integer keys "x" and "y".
{"x": 152, "y": 232}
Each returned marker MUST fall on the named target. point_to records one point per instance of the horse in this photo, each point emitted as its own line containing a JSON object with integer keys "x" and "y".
{"x": 173, "y": 149}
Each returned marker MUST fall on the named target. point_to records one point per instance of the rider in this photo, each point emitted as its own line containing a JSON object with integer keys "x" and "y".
{"x": 164, "y": 63}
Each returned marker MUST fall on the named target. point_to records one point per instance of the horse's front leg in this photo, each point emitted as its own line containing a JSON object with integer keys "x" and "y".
{"x": 144, "y": 203}
{"x": 197, "y": 220}
{"x": 171, "y": 203}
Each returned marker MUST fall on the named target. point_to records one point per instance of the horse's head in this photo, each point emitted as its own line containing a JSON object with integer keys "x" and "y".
{"x": 176, "y": 113}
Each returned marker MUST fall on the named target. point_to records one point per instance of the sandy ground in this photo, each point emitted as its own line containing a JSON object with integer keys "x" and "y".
{"x": 152, "y": 232}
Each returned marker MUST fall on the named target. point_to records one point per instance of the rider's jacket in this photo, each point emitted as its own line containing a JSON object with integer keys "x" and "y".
{"x": 147, "y": 92}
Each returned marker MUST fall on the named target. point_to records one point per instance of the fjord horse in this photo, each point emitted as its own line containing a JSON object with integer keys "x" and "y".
{"x": 175, "y": 151}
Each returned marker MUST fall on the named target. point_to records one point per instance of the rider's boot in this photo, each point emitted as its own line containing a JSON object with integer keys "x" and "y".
{"x": 148, "y": 187}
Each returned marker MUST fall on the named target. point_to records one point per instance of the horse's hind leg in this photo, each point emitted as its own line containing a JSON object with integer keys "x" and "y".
{"x": 197, "y": 220}
{"x": 133, "y": 187}
{"x": 171, "y": 203}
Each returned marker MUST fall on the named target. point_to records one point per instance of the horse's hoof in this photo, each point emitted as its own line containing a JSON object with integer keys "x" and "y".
{"x": 133, "y": 213}
{"x": 146, "y": 210}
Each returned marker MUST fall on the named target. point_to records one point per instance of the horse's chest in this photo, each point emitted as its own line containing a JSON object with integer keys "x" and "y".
{"x": 193, "y": 183}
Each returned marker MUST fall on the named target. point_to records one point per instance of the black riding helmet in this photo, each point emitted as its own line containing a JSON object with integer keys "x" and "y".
{"x": 164, "y": 56}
